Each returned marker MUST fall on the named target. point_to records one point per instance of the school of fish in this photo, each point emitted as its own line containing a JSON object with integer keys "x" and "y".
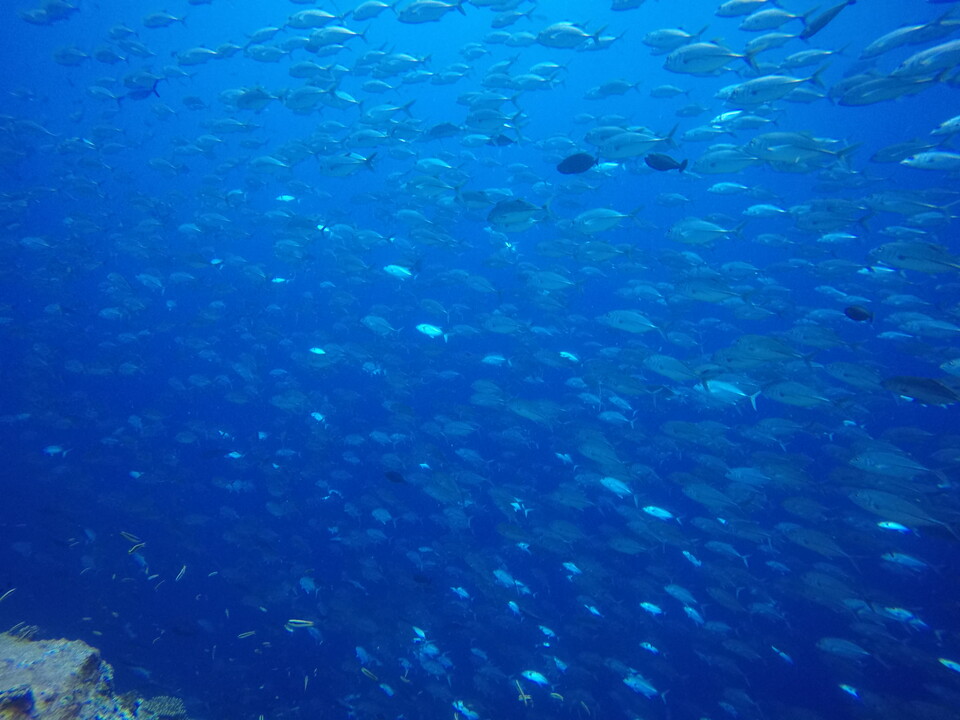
{"x": 491, "y": 358}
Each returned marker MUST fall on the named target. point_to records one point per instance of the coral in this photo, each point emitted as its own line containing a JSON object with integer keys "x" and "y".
{"x": 130, "y": 702}
{"x": 16, "y": 703}
{"x": 67, "y": 680}
{"x": 163, "y": 706}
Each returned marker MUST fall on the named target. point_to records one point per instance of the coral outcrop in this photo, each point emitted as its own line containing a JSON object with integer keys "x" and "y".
{"x": 68, "y": 680}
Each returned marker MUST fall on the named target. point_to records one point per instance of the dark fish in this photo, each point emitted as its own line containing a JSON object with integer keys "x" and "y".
{"x": 858, "y": 313}
{"x": 576, "y": 164}
{"x": 822, "y": 20}
{"x": 140, "y": 93}
{"x": 443, "y": 130}
{"x": 659, "y": 161}
{"x": 514, "y": 213}
{"x": 394, "y": 477}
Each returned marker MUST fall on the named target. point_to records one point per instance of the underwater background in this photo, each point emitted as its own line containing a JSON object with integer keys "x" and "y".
{"x": 495, "y": 360}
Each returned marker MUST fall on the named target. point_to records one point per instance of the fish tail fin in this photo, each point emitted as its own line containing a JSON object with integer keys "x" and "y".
{"x": 949, "y": 205}
{"x": 460, "y": 8}
{"x": 753, "y": 401}
{"x": 405, "y": 108}
{"x": 368, "y": 161}
{"x": 949, "y": 528}
{"x": 669, "y": 138}
{"x": 848, "y": 150}
{"x": 683, "y": 165}
{"x": 815, "y": 78}
{"x": 547, "y": 209}
{"x": 944, "y": 17}
{"x": 805, "y": 17}
{"x": 748, "y": 58}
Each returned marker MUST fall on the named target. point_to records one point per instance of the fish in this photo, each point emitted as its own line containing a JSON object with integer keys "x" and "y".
{"x": 398, "y": 271}
{"x": 696, "y": 231}
{"x": 915, "y": 255}
{"x": 666, "y": 39}
{"x": 633, "y": 143}
{"x": 161, "y": 20}
{"x": 894, "y": 508}
{"x": 535, "y": 677}
{"x": 924, "y": 390}
{"x": 702, "y": 58}
{"x": 819, "y": 22}
{"x": 858, "y": 313}
{"x": 598, "y": 220}
{"x": 725, "y": 391}
{"x": 421, "y": 11}
{"x": 765, "y": 89}
{"x": 842, "y": 648}
{"x": 692, "y": 405}
{"x": 141, "y": 93}
{"x": 938, "y": 160}
{"x": 640, "y": 685}
{"x": 346, "y": 164}
{"x": 929, "y": 61}
{"x": 949, "y": 664}
{"x": 627, "y": 320}
{"x": 661, "y": 162}
{"x": 616, "y": 486}
{"x": 515, "y": 215}
{"x": 735, "y": 8}
{"x": 576, "y": 163}
{"x": 431, "y": 331}
{"x": 770, "y": 18}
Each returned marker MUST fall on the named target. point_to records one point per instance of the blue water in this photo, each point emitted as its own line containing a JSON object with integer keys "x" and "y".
{"x": 205, "y": 385}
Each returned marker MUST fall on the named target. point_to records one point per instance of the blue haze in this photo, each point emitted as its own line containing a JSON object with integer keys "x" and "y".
{"x": 144, "y": 449}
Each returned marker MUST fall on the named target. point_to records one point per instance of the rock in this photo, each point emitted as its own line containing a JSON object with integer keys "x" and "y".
{"x": 55, "y": 680}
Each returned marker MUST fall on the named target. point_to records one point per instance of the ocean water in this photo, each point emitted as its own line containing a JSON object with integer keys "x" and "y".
{"x": 345, "y": 410}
